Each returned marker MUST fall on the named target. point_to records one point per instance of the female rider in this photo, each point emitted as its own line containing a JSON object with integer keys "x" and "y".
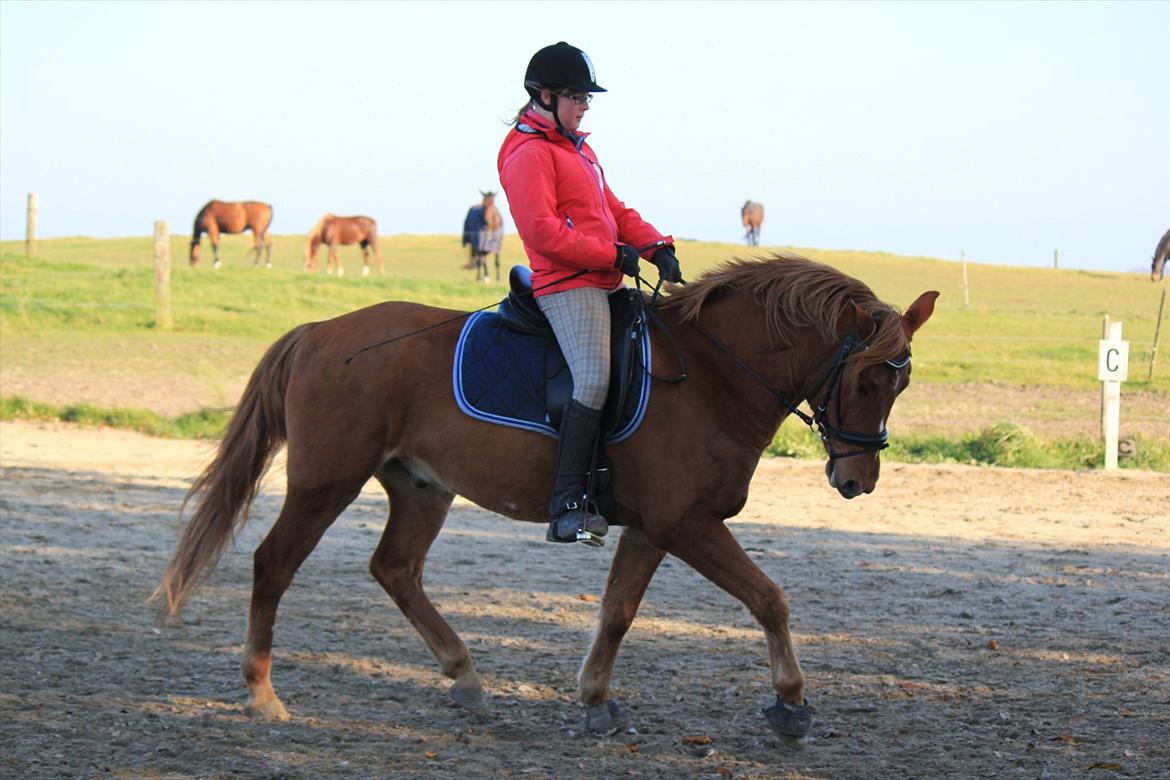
{"x": 580, "y": 240}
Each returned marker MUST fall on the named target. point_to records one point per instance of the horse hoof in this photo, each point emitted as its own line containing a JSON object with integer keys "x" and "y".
{"x": 365, "y": 272}
{"x": 216, "y": 264}
{"x": 272, "y": 709}
{"x": 791, "y": 722}
{"x": 606, "y": 718}
{"x": 470, "y": 698}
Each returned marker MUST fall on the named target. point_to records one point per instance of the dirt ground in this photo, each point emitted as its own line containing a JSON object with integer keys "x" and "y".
{"x": 959, "y": 622}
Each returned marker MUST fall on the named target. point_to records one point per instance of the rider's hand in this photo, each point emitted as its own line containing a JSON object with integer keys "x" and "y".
{"x": 667, "y": 264}
{"x": 627, "y": 260}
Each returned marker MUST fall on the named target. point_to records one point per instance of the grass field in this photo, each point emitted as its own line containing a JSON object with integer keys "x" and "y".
{"x": 83, "y": 311}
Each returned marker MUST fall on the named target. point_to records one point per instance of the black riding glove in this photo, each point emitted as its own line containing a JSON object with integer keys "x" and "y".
{"x": 667, "y": 264}
{"x": 627, "y": 260}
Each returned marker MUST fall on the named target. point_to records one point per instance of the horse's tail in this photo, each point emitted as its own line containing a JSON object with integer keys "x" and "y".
{"x": 268, "y": 224}
{"x": 229, "y": 483}
{"x": 197, "y": 230}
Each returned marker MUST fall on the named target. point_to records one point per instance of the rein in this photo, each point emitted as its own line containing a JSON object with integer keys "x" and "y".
{"x": 867, "y": 442}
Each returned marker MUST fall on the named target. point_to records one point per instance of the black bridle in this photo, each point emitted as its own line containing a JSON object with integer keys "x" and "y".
{"x": 866, "y": 442}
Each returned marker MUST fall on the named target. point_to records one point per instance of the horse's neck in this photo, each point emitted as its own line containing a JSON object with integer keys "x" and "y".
{"x": 791, "y": 367}
{"x": 491, "y": 217}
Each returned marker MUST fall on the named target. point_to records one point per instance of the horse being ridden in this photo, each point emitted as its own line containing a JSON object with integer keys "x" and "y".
{"x": 752, "y": 215}
{"x": 223, "y": 217}
{"x": 483, "y": 234}
{"x": 758, "y": 337}
{"x": 335, "y": 231}
{"x": 1158, "y": 267}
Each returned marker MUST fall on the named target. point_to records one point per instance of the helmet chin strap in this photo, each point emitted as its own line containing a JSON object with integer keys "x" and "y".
{"x": 550, "y": 107}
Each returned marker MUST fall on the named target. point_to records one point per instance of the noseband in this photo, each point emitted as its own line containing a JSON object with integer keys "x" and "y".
{"x": 866, "y": 442}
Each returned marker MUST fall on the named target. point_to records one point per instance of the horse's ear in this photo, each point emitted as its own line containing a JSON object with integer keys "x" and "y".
{"x": 918, "y": 313}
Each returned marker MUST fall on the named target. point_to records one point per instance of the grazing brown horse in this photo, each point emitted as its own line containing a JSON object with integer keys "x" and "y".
{"x": 758, "y": 337}
{"x": 337, "y": 231}
{"x": 1158, "y": 266}
{"x": 222, "y": 217}
{"x": 752, "y": 215}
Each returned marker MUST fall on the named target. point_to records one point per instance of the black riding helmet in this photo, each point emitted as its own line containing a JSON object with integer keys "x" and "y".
{"x": 559, "y": 67}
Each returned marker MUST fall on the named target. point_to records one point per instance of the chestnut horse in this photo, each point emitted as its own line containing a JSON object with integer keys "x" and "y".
{"x": 337, "y": 231}
{"x": 752, "y": 215}
{"x": 757, "y": 337}
{"x": 1158, "y": 266}
{"x": 222, "y": 217}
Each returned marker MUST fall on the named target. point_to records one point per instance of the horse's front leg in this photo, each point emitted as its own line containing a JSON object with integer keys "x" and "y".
{"x": 634, "y": 564}
{"x": 703, "y": 541}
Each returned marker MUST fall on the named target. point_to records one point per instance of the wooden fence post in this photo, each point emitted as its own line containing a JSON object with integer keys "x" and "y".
{"x": 963, "y": 260}
{"x": 162, "y": 275}
{"x": 30, "y": 227}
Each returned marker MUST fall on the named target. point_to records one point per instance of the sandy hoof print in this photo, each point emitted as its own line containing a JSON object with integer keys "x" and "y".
{"x": 790, "y": 721}
{"x": 606, "y": 718}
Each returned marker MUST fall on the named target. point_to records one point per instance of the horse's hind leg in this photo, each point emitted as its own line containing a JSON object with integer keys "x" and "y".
{"x": 305, "y": 516}
{"x": 365, "y": 258}
{"x": 417, "y": 513}
{"x": 634, "y": 564}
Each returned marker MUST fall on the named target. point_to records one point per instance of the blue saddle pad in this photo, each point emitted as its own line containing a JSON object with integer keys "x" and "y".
{"x": 499, "y": 376}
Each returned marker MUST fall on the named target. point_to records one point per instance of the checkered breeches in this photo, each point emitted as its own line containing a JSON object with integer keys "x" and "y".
{"x": 580, "y": 320}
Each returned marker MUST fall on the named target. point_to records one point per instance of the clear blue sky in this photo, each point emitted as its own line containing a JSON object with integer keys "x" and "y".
{"x": 1004, "y": 129}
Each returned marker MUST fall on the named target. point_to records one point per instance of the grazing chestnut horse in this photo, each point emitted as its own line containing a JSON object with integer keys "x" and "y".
{"x": 1158, "y": 266}
{"x": 757, "y": 338}
{"x": 222, "y": 217}
{"x": 336, "y": 231}
{"x": 752, "y": 215}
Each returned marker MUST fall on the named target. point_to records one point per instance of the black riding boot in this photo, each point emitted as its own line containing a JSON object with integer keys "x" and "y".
{"x": 570, "y": 518}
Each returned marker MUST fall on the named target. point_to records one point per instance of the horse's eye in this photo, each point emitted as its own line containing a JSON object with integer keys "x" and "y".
{"x": 864, "y": 387}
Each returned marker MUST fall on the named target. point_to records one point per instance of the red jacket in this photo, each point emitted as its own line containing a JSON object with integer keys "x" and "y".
{"x": 565, "y": 213}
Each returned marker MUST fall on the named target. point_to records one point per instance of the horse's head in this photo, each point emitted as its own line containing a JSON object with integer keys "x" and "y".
{"x": 194, "y": 252}
{"x": 853, "y": 403}
{"x": 489, "y": 198}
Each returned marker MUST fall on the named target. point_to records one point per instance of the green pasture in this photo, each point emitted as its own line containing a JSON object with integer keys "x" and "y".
{"x": 92, "y": 301}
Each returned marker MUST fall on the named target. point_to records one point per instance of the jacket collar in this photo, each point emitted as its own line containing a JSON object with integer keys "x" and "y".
{"x": 534, "y": 124}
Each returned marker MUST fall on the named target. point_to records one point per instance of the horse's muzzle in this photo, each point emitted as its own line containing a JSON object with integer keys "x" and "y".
{"x": 848, "y": 488}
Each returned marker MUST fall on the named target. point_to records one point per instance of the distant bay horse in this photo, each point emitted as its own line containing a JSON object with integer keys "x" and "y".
{"x": 483, "y": 234}
{"x": 752, "y": 215}
{"x": 1158, "y": 267}
{"x": 334, "y": 231}
{"x": 759, "y": 337}
{"x": 224, "y": 217}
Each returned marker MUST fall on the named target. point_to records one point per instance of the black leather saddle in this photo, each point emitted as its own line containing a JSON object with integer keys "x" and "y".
{"x": 628, "y": 353}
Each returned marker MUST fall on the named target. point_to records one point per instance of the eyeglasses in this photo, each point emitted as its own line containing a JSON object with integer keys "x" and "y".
{"x": 580, "y": 98}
